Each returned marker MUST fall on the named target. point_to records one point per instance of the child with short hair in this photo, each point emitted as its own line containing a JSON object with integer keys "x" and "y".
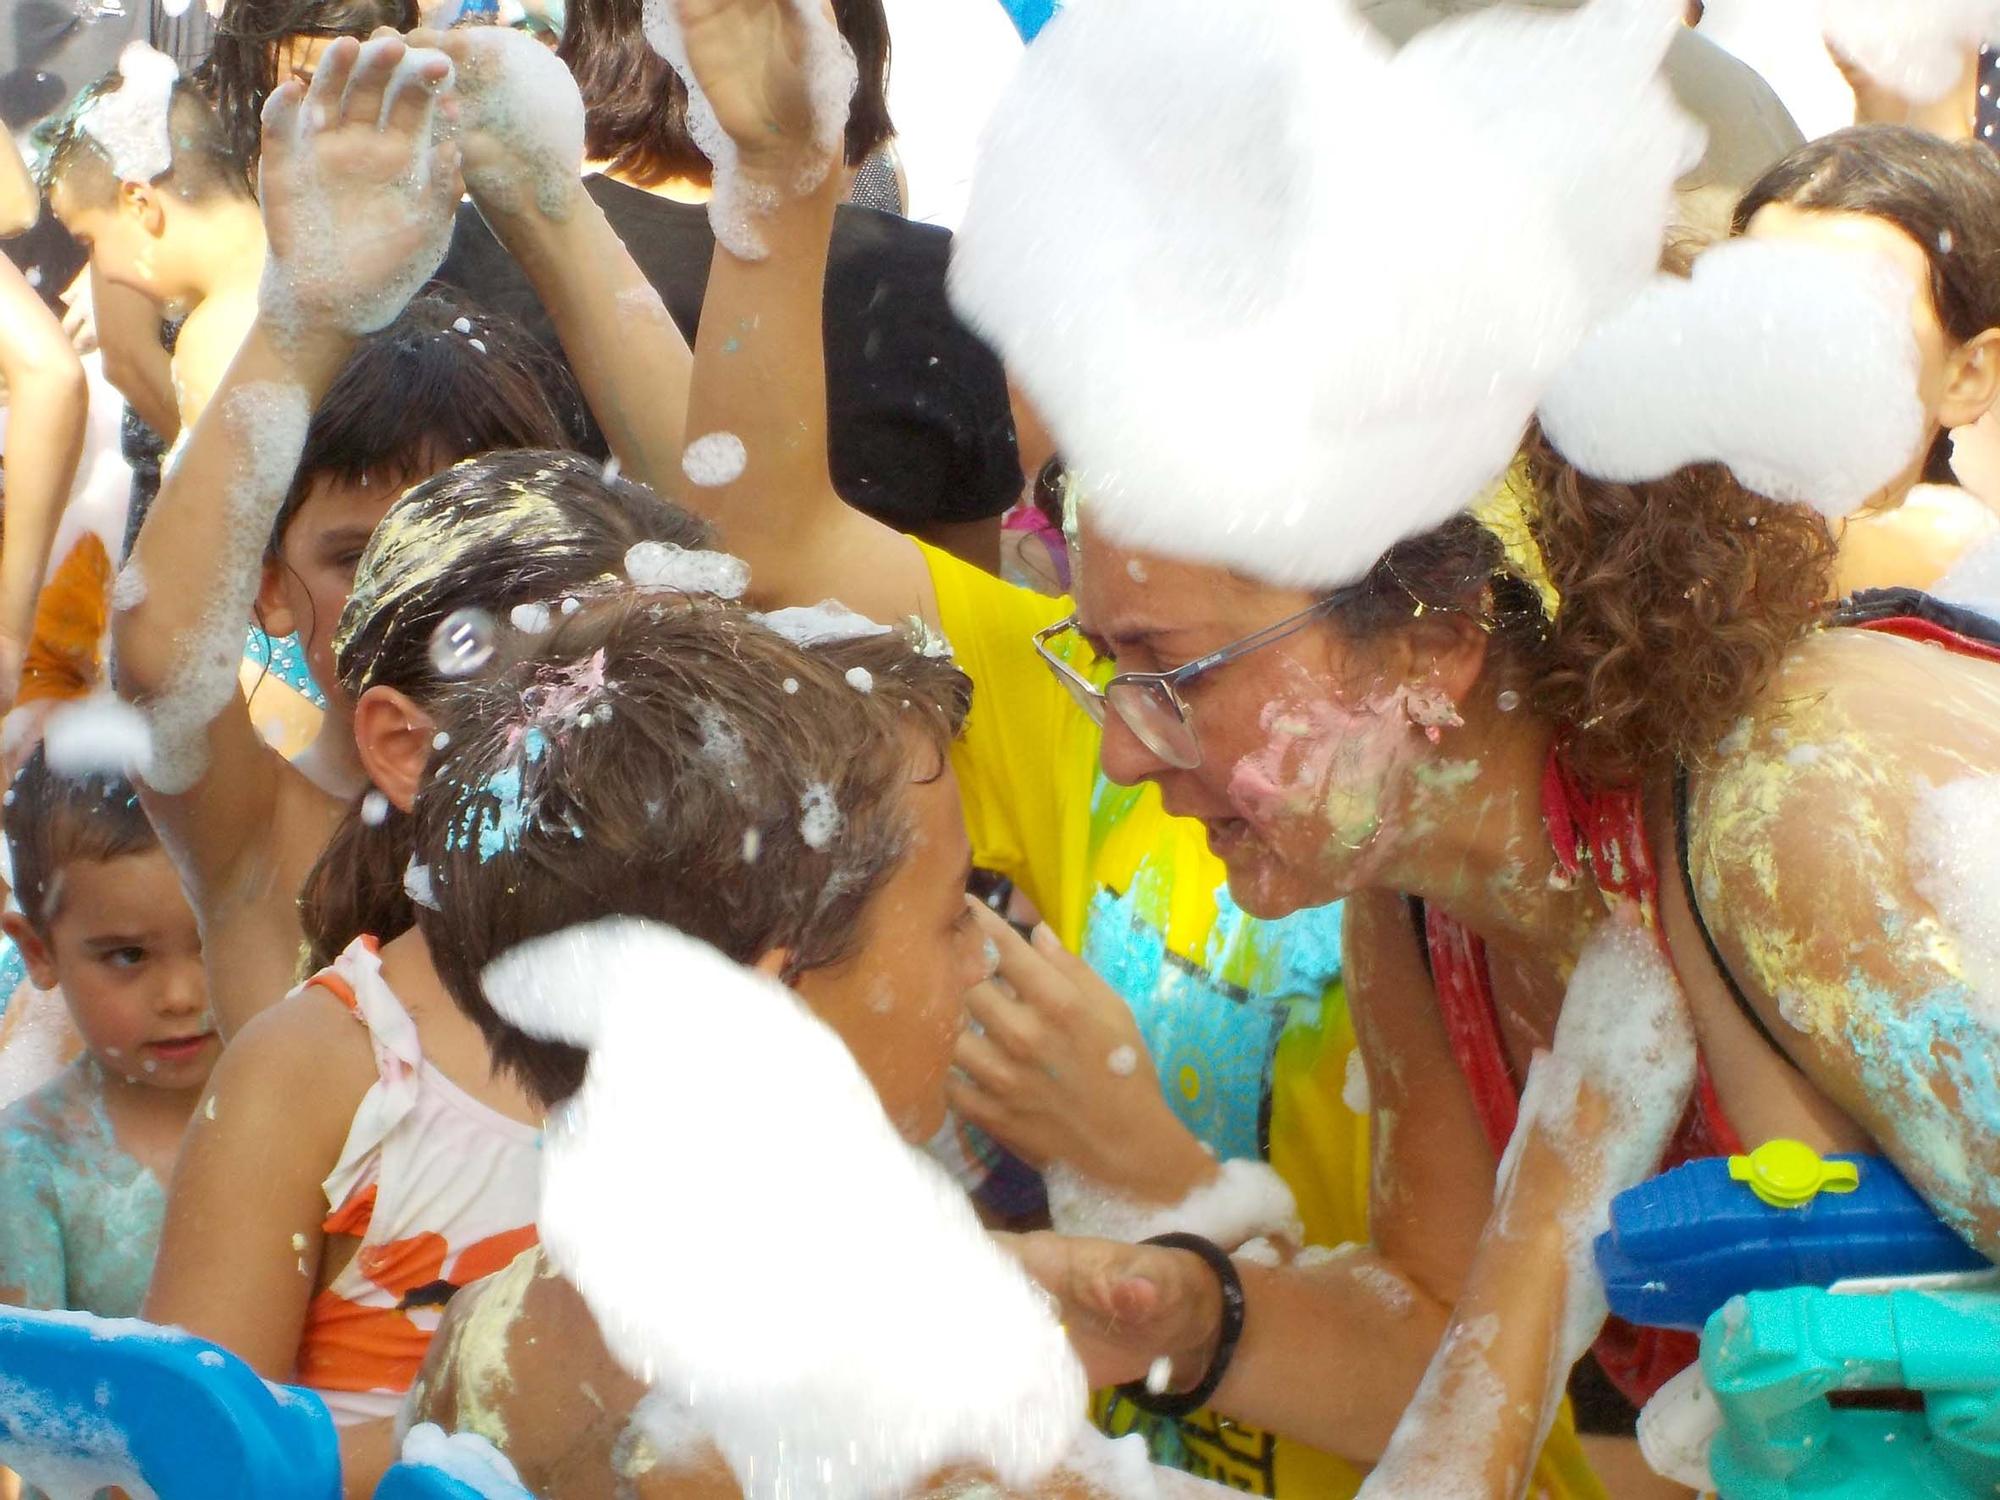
{"x": 84, "y": 1160}
{"x": 140, "y": 171}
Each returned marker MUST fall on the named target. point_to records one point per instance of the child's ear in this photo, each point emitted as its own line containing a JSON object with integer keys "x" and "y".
{"x": 34, "y": 952}
{"x": 274, "y": 615}
{"x": 1972, "y": 380}
{"x": 144, "y": 203}
{"x": 392, "y": 736}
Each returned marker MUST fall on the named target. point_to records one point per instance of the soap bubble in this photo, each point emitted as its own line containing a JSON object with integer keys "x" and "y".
{"x": 463, "y": 643}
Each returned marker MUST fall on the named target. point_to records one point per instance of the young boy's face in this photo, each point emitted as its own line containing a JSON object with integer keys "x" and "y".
{"x": 123, "y": 946}
{"x": 122, "y": 250}
{"x": 317, "y": 555}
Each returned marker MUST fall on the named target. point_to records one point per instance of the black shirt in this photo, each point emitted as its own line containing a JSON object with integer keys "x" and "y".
{"x": 919, "y": 426}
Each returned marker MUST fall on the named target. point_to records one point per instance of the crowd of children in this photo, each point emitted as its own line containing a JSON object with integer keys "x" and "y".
{"x": 1341, "y": 946}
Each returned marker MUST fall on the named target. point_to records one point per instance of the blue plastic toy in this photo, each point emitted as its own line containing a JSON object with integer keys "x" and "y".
{"x": 1684, "y": 1243}
{"x": 1774, "y": 1358}
{"x": 192, "y": 1419}
{"x": 1030, "y": 16}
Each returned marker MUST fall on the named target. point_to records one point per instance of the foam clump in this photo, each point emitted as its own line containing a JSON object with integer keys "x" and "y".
{"x": 1309, "y": 363}
{"x": 1455, "y": 1417}
{"x": 267, "y": 422}
{"x": 66, "y": 1454}
{"x": 1915, "y": 48}
{"x": 823, "y": 624}
{"x": 662, "y": 565}
{"x": 844, "y": 1382}
{"x": 820, "y": 819}
{"x": 737, "y": 202}
{"x": 100, "y": 735}
{"x": 1954, "y": 830}
{"x": 1793, "y": 363}
{"x": 717, "y": 459}
{"x": 128, "y": 589}
{"x": 1244, "y": 1200}
{"x": 467, "y": 1457}
{"x": 515, "y": 89}
{"x": 132, "y": 125}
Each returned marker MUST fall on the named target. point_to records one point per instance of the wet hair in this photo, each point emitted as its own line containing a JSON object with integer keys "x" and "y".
{"x": 636, "y": 107}
{"x": 1674, "y": 602}
{"x": 54, "y": 821}
{"x": 1945, "y": 195}
{"x": 203, "y": 169}
{"x": 419, "y": 395}
{"x": 668, "y": 757}
{"x": 241, "y": 69}
{"x": 492, "y": 533}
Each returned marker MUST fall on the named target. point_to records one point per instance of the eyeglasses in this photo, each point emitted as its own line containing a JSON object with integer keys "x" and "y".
{"x": 1150, "y": 703}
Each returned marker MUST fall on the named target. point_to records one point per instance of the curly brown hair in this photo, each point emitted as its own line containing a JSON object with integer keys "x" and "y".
{"x": 1676, "y": 601}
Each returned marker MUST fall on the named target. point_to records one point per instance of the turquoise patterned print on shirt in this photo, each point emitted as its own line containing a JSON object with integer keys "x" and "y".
{"x": 286, "y": 660}
{"x": 1213, "y": 1038}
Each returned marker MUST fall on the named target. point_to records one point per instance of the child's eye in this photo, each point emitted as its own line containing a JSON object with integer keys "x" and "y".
{"x": 125, "y": 958}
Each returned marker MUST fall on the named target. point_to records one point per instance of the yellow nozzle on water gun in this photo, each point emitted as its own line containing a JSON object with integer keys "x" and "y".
{"x": 1790, "y": 1174}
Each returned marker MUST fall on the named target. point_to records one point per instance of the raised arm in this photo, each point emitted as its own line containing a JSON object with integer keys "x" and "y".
{"x": 213, "y": 787}
{"x": 623, "y": 346}
{"x": 20, "y": 200}
{"x": 47, "y": 403}
{"x": 760, "y": 360}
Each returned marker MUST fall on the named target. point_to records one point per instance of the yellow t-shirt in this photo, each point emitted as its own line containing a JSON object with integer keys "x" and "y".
{"x": 1246, "y": 1020}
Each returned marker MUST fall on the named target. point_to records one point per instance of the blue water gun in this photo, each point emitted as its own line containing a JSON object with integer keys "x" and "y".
{"x": 1851, "y": 1340}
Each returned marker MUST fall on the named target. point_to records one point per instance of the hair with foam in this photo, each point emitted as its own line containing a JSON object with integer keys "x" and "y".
{"x": 204, "y": 166}
{"x": 668, "y": 756}
{"x": 492, "y": 533}
{"x": 55, "y": 820}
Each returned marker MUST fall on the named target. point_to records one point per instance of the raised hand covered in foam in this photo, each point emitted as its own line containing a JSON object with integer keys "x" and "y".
{"x": 1915, "y": 48}
{"x": 1285, "y": 297}
{"x": 520, "y": 119}
{"x": 769, "y": 83}
{"x": 841, "y": 1365}
{"x": 1795, "y": 364}
{"x": 358, "y": 189}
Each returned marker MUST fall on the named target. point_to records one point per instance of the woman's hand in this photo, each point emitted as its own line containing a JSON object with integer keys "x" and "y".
{"x": 1125, "y": 1306}
{"x": 512, "y": 165}
{"x": 1057, "y": 1072}
{"x": 358, "y": 194}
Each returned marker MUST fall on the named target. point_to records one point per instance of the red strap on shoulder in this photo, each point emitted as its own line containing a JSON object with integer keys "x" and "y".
{"x": 1910, "y": 628}
{"x": 1464, "y": 988}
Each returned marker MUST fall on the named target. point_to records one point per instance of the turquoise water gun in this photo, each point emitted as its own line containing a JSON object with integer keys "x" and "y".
{"x": 1851, "y": 1340}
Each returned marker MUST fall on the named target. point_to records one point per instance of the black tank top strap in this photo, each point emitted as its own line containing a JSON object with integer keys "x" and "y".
{"x": 1700, "y": 923}
{"x": 1871, "y": 606}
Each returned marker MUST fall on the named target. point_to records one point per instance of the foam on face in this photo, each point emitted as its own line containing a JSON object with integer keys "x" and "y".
{"x": 101, "y": 735}
{"x": 1795, "y": 364}
{"x": 132, "y": 125}
{"x": 268, "y": 422}
{"x": 1243, "y": 1200}
{"x": 68, "y": 1455}
{"x": 1915, "y": 48}
{"x": 737, "y": 202}
{"x": 1307, "y": 365}
{"x": 662, "y": 565}
{"x": 844, "y": 1382}
{"x": 517, "y": 90}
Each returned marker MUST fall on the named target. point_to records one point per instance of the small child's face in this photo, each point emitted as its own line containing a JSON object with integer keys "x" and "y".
{"x": 121, "y": 251}
{"x": 125, "y": 951}
{"x": 320, "y": 548}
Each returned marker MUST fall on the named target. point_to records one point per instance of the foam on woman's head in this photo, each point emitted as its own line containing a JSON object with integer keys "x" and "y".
{"x": 1284, "y": 297}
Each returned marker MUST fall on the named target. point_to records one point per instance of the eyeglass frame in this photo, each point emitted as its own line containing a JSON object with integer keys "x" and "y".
{"x": 1096, "y": 701}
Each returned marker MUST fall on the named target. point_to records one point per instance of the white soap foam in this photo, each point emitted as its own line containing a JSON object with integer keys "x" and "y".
{"x": 65, "y": 1453}
{"x": 843, "y": 1381}
{"x": 1915, "y": 48}
{"x": 1439, "y": 1450}
{"x": 1243, "y": 1200}
{"x": 467, "y": 1457}
{"x": 1354, "y": 1088}
{"x": 133, "y": 124}
{"x": 128, "y": 590}
{"x": 820, "y": 818}
{"x": 1307, "y": 364}
{"x": 1954, "y": 830}
{"x": 717, "y": 459}
{"x": 267, "y": 423}
{"x": 662, "y": 565}
{"x": 1974, "y": 580}
{"x": 821, "y": 624}
{"x": 100, "y": 735}
{"x": 737, "y": 203}
{"x": 514, "y": 88}
{"x": 1794, "y": 363}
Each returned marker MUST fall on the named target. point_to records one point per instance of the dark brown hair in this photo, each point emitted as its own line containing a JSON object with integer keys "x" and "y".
{"x": 419, "y": 395}
{"x": 241, "y": 68}
{"x": 54, "y": 820}
{"x": 636, "y": 107}
{"x": 671, "y": 757}
{"x": 492, "y": 533}
{"x": 1678, "y": 598}
{"x": 203, "y": 166}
